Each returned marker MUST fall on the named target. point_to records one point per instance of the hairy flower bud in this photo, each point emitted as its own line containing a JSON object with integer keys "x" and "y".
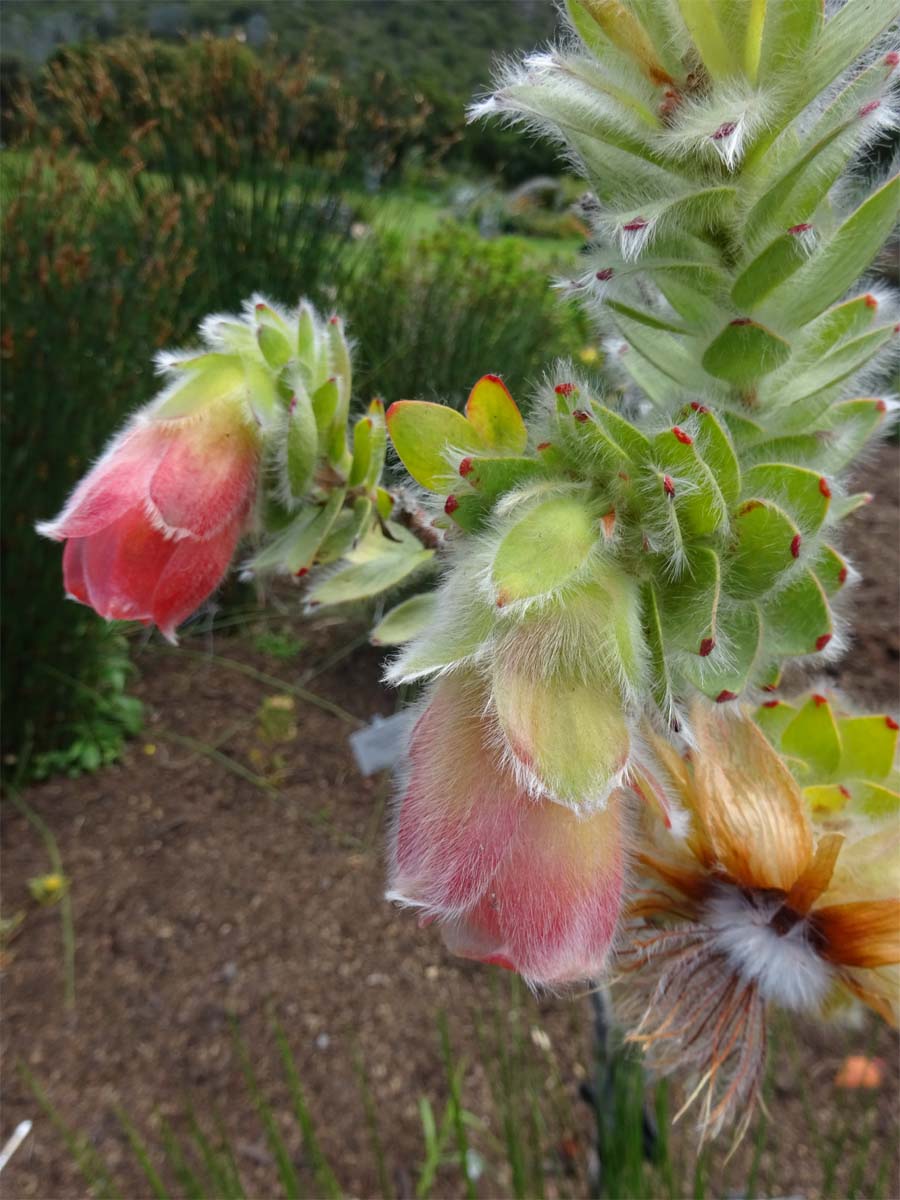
{"x": 513, "y": 880}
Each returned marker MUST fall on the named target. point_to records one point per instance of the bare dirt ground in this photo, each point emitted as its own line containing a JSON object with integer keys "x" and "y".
{"x": 200, "y": 895}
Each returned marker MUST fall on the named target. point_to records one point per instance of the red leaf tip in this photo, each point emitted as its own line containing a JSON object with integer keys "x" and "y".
{"x": 870, "y": 300}
{"x": 795, "y": 545}
{"x": 824, "y": 488}
{"x": 684, "y": 438}
{"x": 580, "y": 415}
{"x": 564, "y": 389}
{"x": 819, "y": 699}
{"x": 739, "y": 321}
{"x": 726, "y": 129}
{"x": 451, "y": 505}
{"x": 725, "y": 695}
{"x": 803, "y": 227}
{"x": 465, "y": 467}
{"x": 707, "y": 646}
{"x": 605, "y": 274}
{"x": 822, "y": 641}
{"x": 891, "y": 723}
{"x": 869, "y": 108}
{"x": 668, "y": 485}
{"x": 636, "y": 224}
{"x": 771, "y": 703}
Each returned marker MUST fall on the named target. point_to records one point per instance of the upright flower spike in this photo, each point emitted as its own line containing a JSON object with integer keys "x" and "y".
{"x": 758, "y": 908}
{"x": 512, "y": 880}
{"x": 722, "y": 275}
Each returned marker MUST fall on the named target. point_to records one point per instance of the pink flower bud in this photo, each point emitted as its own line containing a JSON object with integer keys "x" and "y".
{"x": 512, "y": 880}
{"x": 151, "y": 529}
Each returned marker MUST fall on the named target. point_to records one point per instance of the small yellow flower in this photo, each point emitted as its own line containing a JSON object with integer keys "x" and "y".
{"x": 589, "y": 355}
{"x": 47, "y": 889}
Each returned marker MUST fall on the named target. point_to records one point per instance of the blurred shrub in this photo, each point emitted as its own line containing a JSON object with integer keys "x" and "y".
{"x": 213, "y": 106}
{"x": 90, "y": 283}
{"x": 433, "y": 316}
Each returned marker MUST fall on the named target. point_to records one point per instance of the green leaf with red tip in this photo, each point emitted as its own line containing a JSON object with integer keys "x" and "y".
{"x": 461, "y": 624}
{"x": 495, "y": 417}
{"x": 295, "y": 549}
{"x": 468, "y": 510}
{"x": 384, "y": 503}
{"x": 788, "y": 31}
{"x": 378, "y": 444}
{"x": 798, "y": 449}
{"x": 764, "y": 537}
{"x": 380, "y": 564}
{"x": 307, "y": 350}
{"x": 839, "y": 261}
{"x": 339, "y": 360}
{"x": 833, "y": 368}
{"x": 424, "y": 434}
{"x": 649, "y": 378}
{"x": 660, "y": 679}
{"x": 699, "y": 503}
{"x": 635, "y": 444}
{"x": 690, "y": 604}
{"x": 325, "y": 403}
{"x": 798, "y": 619}
{"x": 544, "y": 550}
{"x": 650, "y": 319}
{"x": 744, "y": 352}
{"x": 813, "y": 737}
{"x": 843, "y": 506}
{"x": 405, "y": 621}
{"x": 847, "y": 34}
{"x": 837, "y": 324}
{"x": 349, "y": 527}
{"x": 724, "y": 678}
{"x": 773, "y": 718}
{"x": 302, "y": 444}
{"x": 207, "y": 379}
{"x": 830, "y": 569}
{"x": 362, "y": 452}
{"x": 274, "y": 346}
{"x": 744, "y": 432}
{"x": 804, "y": 494}
{"x": 825, "y": 798}
{"x": 714, "y": 446}
{"x": 781, "y": 258}
{"x": 667, "y": 354}
{"x": 869, "y": 747}
{"x": 491, "y": 477}
{"x": 876, "y": 800}
{"x": 585, "y": 437}
{"x": 851, "y": 424}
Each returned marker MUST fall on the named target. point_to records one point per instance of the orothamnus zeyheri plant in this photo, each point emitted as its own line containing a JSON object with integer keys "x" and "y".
{"x": 625, "y": 572}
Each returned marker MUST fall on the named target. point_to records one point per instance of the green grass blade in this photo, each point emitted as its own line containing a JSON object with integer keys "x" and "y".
{"x": 325, "y": 1177}
{"x": 139, "y": 1147}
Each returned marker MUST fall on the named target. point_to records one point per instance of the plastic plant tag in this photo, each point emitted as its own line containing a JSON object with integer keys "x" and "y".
{"x": 383, "y": 742}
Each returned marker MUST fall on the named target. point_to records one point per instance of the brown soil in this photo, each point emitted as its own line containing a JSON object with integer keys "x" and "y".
{"x": 200, "y": 895}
